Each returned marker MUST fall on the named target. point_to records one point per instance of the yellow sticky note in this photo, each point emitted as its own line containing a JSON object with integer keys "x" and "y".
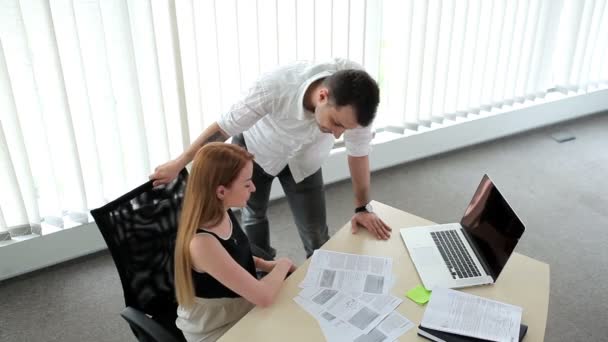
{"x": 419, "y": 294}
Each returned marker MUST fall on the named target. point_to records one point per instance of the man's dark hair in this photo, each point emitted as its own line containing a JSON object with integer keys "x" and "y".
{"x": 356, "y": 88}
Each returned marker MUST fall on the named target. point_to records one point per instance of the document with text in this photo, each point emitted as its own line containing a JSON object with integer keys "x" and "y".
{"x": 332, "y": 327}
{"x": 336, "y": 330}
{"x": 349, "y": 272}
{"x": 464, "y": 314}
{"x": 356, "y": 313}
{"x": 393, "y": 326}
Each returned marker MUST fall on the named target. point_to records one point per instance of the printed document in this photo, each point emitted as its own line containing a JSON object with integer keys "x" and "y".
{"x": 461, "y": 313}
{"x": 393, "y": 326}
{"x": 349, "y": 272}
{"x": 356, "y": 313}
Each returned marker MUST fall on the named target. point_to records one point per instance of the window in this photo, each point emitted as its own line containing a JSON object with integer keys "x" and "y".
{"x": 96, "y": 93}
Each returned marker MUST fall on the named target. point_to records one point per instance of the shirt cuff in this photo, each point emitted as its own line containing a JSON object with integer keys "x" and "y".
{"x": 361, "y": 151}
{"x": 225, "y": 127}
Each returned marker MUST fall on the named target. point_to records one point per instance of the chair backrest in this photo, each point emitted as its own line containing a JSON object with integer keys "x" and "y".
{"x": 140, "y": 229}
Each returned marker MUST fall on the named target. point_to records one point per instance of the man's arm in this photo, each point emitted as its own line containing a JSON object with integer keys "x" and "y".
{"x": 360, "y": 175}
{"x": 211, "y": 134}
{"x": 241, "y": 116}
{"x": 168, "y": 171}
{"x": 359, "y": 171}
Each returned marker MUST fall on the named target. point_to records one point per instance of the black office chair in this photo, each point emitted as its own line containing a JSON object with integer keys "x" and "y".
{"x": 140, "y": 229}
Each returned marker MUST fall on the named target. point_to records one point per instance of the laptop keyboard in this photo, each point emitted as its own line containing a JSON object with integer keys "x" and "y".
{"x": 455, "y": 255}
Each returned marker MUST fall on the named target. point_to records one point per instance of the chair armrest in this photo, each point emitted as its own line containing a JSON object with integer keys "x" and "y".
{"x": 142, "y": 324}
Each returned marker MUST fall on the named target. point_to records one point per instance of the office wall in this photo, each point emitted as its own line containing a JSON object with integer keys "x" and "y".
{"x": 25, "y": 256}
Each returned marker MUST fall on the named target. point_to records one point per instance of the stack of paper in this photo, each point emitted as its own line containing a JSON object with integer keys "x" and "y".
{"x": 464, "y": 314}
{"x": 348, "y": 294}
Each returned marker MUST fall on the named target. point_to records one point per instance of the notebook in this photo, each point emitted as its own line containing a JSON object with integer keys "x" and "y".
{"x": 479, "y": 318}
{"x": 441, "y": 336}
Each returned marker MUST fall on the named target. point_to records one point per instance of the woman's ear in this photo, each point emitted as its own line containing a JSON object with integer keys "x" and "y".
{"x": 323, "y": 94}
{"x": 220, "y": 192}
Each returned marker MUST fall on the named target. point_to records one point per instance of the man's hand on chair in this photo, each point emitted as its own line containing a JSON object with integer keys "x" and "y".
{"x": 166, "y": 172}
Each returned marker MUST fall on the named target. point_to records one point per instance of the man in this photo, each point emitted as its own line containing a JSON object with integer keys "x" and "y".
{"x": 288, "y": 121}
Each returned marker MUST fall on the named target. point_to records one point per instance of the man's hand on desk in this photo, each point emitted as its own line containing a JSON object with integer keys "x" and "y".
{"x": 371, "y": 222}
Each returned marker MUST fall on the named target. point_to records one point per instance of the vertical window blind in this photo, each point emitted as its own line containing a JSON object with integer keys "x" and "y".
{"x": 94, "y": 94}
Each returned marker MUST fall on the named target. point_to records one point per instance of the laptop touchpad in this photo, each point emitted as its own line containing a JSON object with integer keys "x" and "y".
{"x": 428, "y": 256}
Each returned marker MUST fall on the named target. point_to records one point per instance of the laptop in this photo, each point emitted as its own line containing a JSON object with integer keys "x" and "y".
{"x": 472, "y": 252}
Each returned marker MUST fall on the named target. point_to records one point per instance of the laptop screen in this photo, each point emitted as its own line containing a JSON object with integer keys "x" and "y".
{"x": 493, "y": 226}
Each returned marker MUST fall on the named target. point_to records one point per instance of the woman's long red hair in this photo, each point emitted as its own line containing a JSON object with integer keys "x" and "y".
{"x": 214, "y": 164}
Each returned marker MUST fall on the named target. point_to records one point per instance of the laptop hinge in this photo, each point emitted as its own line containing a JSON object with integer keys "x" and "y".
{"x": 476, "y": 251}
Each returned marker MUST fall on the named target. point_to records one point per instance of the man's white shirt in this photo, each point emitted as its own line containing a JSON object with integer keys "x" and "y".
{"x": 279, "y": 131}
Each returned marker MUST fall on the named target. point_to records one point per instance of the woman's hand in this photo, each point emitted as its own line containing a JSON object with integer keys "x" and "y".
{"x": 288, "y": 263}
{"x": 268, "y": 266}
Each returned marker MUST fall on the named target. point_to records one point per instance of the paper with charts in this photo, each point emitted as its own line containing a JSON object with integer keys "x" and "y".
{"x": 336, "y": 329}
{"x": 348, "y": 295}
{"x": 393, "y": 326}
{"x": 359, "y": 311}
{"x": 349, "y": 272}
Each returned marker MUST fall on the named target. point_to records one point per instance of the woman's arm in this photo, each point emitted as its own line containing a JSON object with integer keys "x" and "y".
{"x": 209, "y": 256}
{"x": 267, "y": 266}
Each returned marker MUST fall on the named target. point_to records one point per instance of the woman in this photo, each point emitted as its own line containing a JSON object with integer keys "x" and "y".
{"x": 215, "y": 272}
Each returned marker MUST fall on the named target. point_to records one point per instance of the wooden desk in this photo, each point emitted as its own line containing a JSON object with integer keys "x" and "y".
{"x": 523, "y": 282}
